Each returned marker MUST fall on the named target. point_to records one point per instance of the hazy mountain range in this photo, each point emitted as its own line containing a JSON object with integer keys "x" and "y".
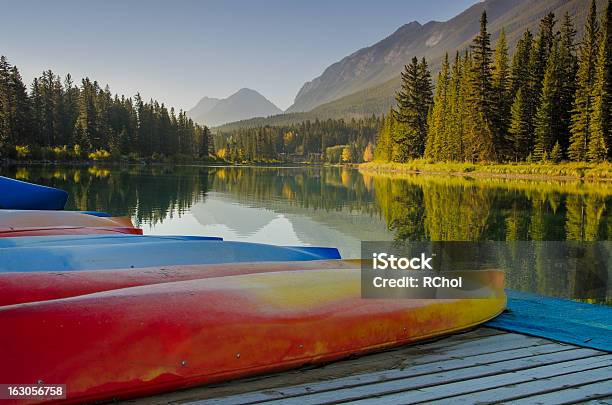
{"x": 365, "y": 82}
{"x": 245, "y": 103}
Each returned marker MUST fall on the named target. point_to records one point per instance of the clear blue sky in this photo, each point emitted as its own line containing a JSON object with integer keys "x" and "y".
{"x": 178, "y": 51}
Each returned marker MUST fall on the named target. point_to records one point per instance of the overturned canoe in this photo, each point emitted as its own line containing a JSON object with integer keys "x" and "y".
{"x": 148, "y": 339}
{"x": 41, "y": 218}
{"x": 103, "y": 252}
{"x": 20, "y": 195}
{"x": 66, "y": 230}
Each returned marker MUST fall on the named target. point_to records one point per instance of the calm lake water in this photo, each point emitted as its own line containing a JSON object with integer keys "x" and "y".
{"x": 339, "y": 207}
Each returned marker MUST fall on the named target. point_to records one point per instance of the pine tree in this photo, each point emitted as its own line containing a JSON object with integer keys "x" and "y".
{"x": 438, "y": 132}
{"x": 520, "y": 127}
{"x": 520, "y": 132}
{"x": 520, "y": 63}
{"x": 502, "y": 97}
{"x": 538, "y": 65}
{"x": 18, "y": 110}
{"x": 481, "y": 135}
{"x": 584, "y": 106}
{"x": 4, "y": 100}
{"x": 464, "y": 106}
{"x": 539, "y": 56}
{"x": 413, "y": 103}
{"x": 456, "y": 111}
{"x": 384, "y": 147}
{"x": 601, "y": 129}
{"x": 548, "y": 117}
{"x": 37, "y": 111}
{"x": 425, "y": 97}
{"x": 71, "y": 109}
{"x": 87, "y": 120}
{"x": 205, "y": 143}
{"x": 567, "y": 91}
{"x": 555, "y": 155}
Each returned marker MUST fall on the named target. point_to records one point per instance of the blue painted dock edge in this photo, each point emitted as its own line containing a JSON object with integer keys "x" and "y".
{"x": 562, "y": 320}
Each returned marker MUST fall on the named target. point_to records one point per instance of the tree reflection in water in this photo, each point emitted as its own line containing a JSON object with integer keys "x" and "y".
{"x": 411, "y": 207}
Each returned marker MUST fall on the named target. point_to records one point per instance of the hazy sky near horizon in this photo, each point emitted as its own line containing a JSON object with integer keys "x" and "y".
{"x": 180, "y": 51}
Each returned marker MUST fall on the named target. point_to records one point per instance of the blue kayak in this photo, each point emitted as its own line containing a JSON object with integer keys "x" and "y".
{"x": 31, "y": 254}
{"x": 20, "y": 195}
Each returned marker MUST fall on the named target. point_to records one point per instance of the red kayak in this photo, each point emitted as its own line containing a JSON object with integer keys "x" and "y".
{"x": 152, "y": 338}
{"x": 42, "y": 286}
{"x": 12, "y": 232}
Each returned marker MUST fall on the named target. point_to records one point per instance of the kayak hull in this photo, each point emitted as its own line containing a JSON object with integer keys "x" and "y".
{"x": 153, "y": 338}
{"x": 38, "y": 218}
{"x": 16, "y": 194}
{"x": 102, "y": 252}
{"x": 18, "y": 288}
{"x": 66, "y": 230}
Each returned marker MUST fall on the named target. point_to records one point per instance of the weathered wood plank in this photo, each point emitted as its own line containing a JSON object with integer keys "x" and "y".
{"x": 487, "y": 345}
{"x": 402, "y": 380}
{"x": 425, "y": 366}
{"x": 444, "y": 390}
{"x": 552, "y": 385}
{"x": 607, "y": 400}
{"x": 583, "y": 393}
{"x": 464, "y": 344}
{"x": 457, "y": 345}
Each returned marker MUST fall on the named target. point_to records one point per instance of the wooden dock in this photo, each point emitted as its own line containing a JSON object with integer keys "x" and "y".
{"x": 481, "y": 366}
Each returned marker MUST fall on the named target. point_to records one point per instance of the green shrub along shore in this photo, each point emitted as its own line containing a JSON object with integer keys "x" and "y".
{"x": 578, "y": 170}
{"x": 75, "y": 155}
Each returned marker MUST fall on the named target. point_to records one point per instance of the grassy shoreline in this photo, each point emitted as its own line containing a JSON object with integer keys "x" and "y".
{"x": 570, "y": 171}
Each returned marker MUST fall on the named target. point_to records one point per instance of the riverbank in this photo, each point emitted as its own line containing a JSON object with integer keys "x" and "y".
{"x": 570, "y": 171}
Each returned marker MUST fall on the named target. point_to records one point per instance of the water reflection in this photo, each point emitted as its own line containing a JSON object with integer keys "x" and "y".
{"x": 340, "y": 207}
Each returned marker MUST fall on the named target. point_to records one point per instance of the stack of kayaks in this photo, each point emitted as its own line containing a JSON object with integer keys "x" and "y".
{"x": 28, "y": 209}
{"x": 114, "y": 316}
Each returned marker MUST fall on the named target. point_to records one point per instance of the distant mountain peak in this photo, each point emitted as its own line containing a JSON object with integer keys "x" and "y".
{"x": 246, "y": 90}
{"x": 244, "y": 104}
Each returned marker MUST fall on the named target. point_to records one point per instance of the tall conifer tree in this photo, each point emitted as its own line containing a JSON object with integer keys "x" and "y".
{"x": 584, "y": 103}
{"x": 483, "y": 145}
{"x": 456, "y": 111}
{"x": 601, "y": 128}
{"x": 548, "y": 118}
{"x": 502, "y": 96}
{"x": 413, "y": 102}
{"x": 439, "y": 123}
{"x": 539, "y": 55}
{"x": 567, "y": 91}
{"x": 521, "y": 121}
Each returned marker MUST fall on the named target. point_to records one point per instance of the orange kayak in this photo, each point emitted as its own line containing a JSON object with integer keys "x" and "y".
{"x": 147, "y": 339}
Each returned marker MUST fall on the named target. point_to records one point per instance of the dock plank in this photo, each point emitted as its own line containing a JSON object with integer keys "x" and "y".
{"x": 442, "y": 391}
{"x": 460, "y": 344}
{"x": 552, "y": 387}
{"x": 589, "y": 393}
{"x": 404, "y": 379}
{"x": 481, "y": 365}
{"x": 424, "y": 367}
